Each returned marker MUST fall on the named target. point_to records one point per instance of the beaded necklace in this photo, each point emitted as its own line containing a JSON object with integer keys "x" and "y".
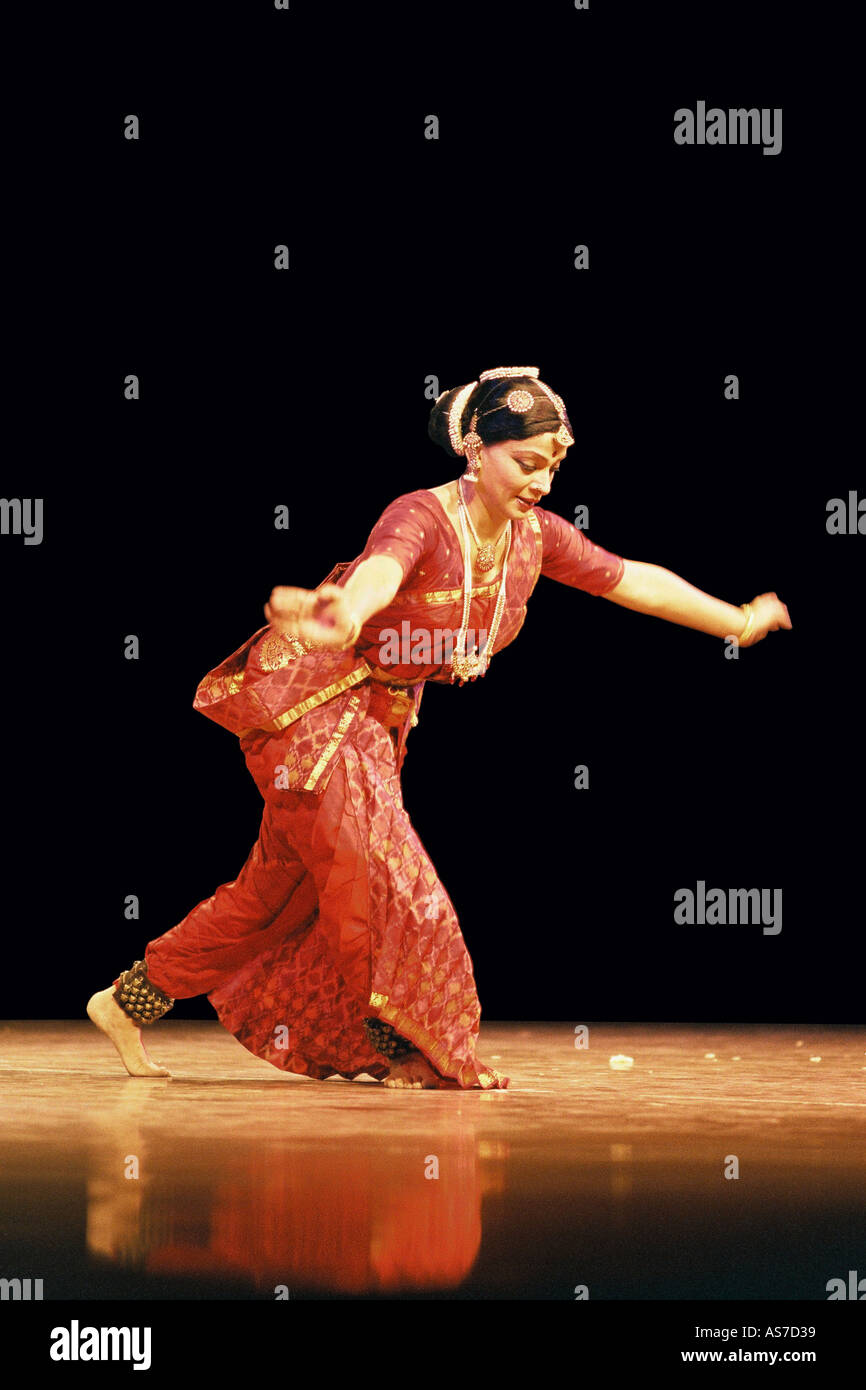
{"x": 465, "y": 667}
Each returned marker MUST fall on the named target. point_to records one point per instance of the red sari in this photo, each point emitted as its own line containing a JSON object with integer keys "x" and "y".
{"x": 338, "y": 914}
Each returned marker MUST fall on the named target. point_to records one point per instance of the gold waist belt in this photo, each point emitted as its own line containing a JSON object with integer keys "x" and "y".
{"x": 385, "y": 677}
{"x": 392, "y": 701}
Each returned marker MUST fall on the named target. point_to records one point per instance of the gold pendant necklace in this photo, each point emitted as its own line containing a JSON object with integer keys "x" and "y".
{"x": 486, "y": 557}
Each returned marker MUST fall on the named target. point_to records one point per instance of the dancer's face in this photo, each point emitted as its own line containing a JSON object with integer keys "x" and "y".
{"x": 518, "y": 474}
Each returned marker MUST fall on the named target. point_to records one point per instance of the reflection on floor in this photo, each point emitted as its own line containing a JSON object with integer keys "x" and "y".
{"x": 234, "y": 1180}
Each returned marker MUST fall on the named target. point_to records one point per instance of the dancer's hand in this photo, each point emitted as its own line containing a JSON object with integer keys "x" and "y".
{"x": 322, "y": 617}
{"x": 770, "y": 615}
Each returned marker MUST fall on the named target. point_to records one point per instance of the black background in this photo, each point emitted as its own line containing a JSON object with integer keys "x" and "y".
{"x": 412, "y": 258}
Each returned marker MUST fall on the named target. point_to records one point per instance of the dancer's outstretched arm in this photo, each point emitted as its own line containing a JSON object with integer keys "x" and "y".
{"x": 333, "y": 615}
{"x": 651, "y": 589}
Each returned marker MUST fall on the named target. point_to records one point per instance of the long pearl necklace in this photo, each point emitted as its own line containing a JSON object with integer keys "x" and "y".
{"x": 465, "y": 667}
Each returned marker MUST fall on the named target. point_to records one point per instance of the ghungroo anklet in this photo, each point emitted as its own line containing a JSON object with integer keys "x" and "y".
{"x": 143, "y": 1001}
{"x": 386, "y": 1039}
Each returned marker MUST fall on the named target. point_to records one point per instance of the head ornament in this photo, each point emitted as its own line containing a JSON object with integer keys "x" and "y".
{"x": 519, "y": 402}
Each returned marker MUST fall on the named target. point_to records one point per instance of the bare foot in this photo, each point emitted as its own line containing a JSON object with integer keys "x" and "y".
{"x": 415, "y": 1072}
{"x": 126, "y": 1036}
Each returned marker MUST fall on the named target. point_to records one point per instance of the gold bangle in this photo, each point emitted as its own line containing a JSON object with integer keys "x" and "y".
{"x": 750, "y": 622}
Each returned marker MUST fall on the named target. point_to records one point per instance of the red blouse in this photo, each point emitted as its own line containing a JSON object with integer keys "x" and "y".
{"x": 417, "y": 532}
{"x": 276, "y": 686}
{"x": 415, "y": 527}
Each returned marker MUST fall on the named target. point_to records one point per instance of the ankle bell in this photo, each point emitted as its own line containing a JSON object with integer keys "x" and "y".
{"x": 386, "y": 1039}
{"x": 143, "y": 1001}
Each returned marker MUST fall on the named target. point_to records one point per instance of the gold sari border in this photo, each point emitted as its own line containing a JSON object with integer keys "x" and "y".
{"x": 219, "y": 687}
{"x": 447, "y": 595}
{"x": 539, "y": 545}
{"x": 333, "y": 742}
{"x": 282, "y": 721}
{"x": 438, "y": 1054}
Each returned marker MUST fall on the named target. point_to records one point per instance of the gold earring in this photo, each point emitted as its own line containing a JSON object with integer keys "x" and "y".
{"x": 471, "y": 444}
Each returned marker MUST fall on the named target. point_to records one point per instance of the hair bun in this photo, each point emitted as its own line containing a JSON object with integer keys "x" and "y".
{"x": 437, "y": 426}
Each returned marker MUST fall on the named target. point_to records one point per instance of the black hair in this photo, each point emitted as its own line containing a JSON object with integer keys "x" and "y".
{"x": 496, "y": 421}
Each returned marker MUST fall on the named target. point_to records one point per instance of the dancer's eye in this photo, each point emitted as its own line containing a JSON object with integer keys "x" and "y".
{"x": 530, "y": 468}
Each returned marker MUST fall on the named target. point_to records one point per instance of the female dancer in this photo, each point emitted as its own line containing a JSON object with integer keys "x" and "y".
{"x": 337, "y": 950}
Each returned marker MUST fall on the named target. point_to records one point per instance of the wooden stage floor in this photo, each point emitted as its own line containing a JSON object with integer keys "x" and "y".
{"x": 233, "y": 1180}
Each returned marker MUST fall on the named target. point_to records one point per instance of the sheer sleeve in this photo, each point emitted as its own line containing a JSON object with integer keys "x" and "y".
{"x": 572, "y": 558}
{"x": 405, "y": 531}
